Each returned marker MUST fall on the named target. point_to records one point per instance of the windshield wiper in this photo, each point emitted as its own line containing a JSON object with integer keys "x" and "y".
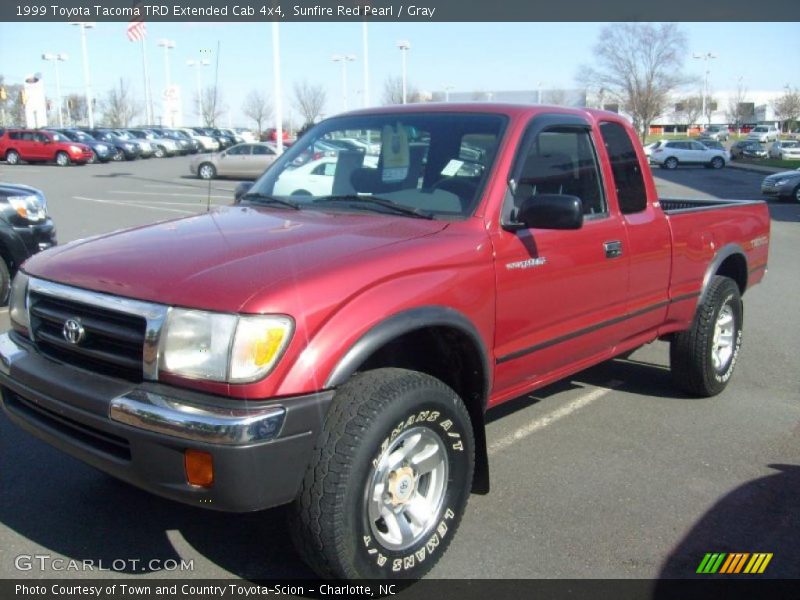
{"x": 377, "y": 201}
{"x": 267, "y": 199}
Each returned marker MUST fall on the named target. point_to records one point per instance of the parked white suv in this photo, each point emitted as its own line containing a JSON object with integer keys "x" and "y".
{"x": 764, "y": 134}
{"x": 671, "y": 153}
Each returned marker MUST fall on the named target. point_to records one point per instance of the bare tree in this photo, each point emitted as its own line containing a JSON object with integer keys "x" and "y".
{"x": 119, "y": 106}
{"x": 787, "y": 107}
{"x": 638, "y": 65}
{"x": 257, "y": 108}
{"x": 690, "y": 108}
{"x": 393, "y": 92}
{"x": 209, "y": 106}
{"x": 739, "y": 110}
{"x": 556, "y": 97}
{"x": 309, "y": 100}
{"x": 75, "y": 108}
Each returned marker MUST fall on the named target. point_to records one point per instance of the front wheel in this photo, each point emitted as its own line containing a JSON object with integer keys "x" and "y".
{"x": 703, "y": 357}
{"x": 796, "y": 194}
{"x": 717, "y": 162}
{"x": 160, "y": 152}
{"x": 5, "y": 282}
{"x": 119, "y": 156}
{"x": 62, "y": 159}
{"x": 207, "y": 171}
{"x": 671, "y": 163}
{"x": 389, "y": 478}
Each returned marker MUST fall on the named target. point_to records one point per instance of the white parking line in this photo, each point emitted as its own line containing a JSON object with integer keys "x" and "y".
{"x": 130, "y": 205}
{"x": 560, "y": 413}
{"x": 174, "y": 194}
{"x": 202, "y": 204}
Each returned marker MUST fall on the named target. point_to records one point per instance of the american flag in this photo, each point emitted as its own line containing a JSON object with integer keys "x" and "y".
{"x": 137, "y": 30}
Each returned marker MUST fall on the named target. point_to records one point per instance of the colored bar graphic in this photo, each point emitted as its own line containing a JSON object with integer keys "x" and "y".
{"x": 733, "y": 563}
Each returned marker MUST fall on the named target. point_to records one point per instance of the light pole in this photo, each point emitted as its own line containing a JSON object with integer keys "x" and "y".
{"x": 168, "y": 104}
{"x": 447, "y": 90}
{"x": 365, "y": 48}
{"x": 705, "y": 58}
{"x": 198, "y": 65}
{"x": 276, "y": 84}
{"x": 404, "y": 46}
{"x": 344, "y": 59}
{"x": 57, "y": 58}
{"x": 87, "y": 82}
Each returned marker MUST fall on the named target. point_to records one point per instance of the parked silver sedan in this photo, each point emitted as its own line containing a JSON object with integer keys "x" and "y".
{"x": 784, "y": 186}
{"x": 785, "y": 150}
{"x": 243, "y": 161}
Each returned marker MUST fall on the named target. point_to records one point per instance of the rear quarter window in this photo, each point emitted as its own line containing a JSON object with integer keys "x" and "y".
{"x": 628, "y": 178}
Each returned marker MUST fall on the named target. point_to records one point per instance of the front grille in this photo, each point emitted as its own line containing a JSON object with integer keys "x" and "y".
{"x": 113, "y": 342}
{"x": 107, "y": 443}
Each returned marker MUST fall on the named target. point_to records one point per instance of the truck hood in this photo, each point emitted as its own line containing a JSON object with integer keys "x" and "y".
{"x": 218, "y": 260}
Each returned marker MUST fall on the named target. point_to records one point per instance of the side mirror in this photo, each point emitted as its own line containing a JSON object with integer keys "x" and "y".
{"x": 551, "y": 211}
{"x": 241, "y": 190}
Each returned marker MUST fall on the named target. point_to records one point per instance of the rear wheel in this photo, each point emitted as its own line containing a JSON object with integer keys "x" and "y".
{"x": 62, "y": 159}
{"x": 12, "y": 157}
{"x": 703, "y": 357}
{"x": 717, "y": 162}
{"x": 671, "y": 163}
{"x": 389, "y": 478}
{"x": 207, "y": 171}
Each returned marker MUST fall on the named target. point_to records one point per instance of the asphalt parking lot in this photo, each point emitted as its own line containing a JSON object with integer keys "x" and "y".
{"x": 610, "y": 474}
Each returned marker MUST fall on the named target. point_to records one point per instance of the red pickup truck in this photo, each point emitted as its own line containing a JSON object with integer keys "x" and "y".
{"x": 334, "y": 338}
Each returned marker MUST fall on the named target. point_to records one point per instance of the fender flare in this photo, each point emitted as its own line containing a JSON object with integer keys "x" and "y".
{"x": 402, "y": 323}
{"x": 725, "y": 252}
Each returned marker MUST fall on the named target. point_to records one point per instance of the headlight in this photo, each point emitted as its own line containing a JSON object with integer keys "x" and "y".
{"x": 28, "y": 207}
{"x": 75, "y": 149}
{"x": 129, "y": 146}
{"x": 17, "y": 303}
{"x": 222, "y": 347}
{"x": 102, "y": 148}
{"x": 779, "y": 182}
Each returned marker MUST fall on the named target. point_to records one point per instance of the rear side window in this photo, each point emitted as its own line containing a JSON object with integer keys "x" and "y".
{"x": 625, "y": 165}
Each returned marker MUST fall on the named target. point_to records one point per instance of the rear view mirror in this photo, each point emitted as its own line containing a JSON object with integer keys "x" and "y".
{"x": 551, "y": 211}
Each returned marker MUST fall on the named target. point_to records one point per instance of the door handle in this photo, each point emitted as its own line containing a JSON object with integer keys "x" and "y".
{"x": 613, "y": 249}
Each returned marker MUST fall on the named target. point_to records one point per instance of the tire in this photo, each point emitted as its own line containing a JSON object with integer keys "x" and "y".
{"x": 94, "y": 159}
{"x": 717, "y": 162}
{"x": 5, "y": 283}
{"x": 796, "y": 194}
{"x": 119, "y": 156}
{"x": 62, "y": 159}
{"x": 671, "y": 163}
{"x": 12, "y": 157}
{"x": 206, "y": 171}
{"x": 703, "y": 357}
{"x": 335, "y": 520}
{"x": 160, "y": 152}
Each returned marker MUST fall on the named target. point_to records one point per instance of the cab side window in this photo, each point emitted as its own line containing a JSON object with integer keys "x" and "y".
{"x": 563, "y": 161}
{"x": 625, "y": 166}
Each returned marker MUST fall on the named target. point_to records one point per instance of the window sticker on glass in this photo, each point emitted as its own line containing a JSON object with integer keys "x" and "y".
{"x": 451, "y": 168}
{"x": 395, "y": 153}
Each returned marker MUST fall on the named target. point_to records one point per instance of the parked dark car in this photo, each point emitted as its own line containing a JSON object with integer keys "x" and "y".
{"x": 125, "y": 150}
{"x": 162, "y": 145}
{"x": 783, "y": 186}
{"x": 225, "y": 141}
{"x": 187, "y": 145}
{"x": 103, "y": 151}
{"x": 25, "y": 229}
{"x": 748, "y": 149}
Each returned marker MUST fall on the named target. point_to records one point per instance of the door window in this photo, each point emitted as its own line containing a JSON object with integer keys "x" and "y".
{"x": 563, "y": 161}
{"x": 242, "y": 150}
{"x": 262, "y": 150}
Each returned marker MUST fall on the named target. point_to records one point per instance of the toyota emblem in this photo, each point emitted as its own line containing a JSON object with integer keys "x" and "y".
{"x": 73, "y": 331}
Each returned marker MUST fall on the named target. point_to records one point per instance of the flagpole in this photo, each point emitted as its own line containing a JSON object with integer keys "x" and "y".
{"x": 148, "y": 96}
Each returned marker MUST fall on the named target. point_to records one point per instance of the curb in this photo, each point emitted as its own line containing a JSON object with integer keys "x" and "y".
{"x": 756, "y": 168}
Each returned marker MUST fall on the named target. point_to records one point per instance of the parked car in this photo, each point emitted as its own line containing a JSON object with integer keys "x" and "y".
{"x": 785, "y": 150}
{"x": 245, "y": 161}
{"x": 163, "y": 146}
{"x": 339, "y": 353}
{"x": 672, "y": 153}
{"x": 247, "y": 134}
{"x": 103, "y": 152}
{"x": 25, "y": 229}
{"x": 784, "y": 186}
{"x": 718, "y": 133}
{"x": 224, "y": 141}
{"x": 764, "y": 133}
{"x": 795, "y": 134}
{"x": 124, "y": 149}
{"x": 237, "y": 137}
{"x": 146, "y": 148}
{"x": 207, "y": 143}
{"x": 189, "y": 145}
{"x": 748, "y": 149}
{"x": 39, "y": 146}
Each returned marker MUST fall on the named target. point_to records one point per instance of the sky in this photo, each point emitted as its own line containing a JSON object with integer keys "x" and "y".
{"x": 467, "y": 56}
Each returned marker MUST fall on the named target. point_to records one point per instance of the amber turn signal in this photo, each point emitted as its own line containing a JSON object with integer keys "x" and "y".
{"x": 199, "y": 468}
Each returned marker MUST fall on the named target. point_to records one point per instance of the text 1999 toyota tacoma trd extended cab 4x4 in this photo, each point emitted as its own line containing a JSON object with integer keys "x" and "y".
{"x": 334, "y": 339}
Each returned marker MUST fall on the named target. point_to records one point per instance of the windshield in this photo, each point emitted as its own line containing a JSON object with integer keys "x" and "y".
{"x": 434, "y": 163}
{"x": 80, "y": 136}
